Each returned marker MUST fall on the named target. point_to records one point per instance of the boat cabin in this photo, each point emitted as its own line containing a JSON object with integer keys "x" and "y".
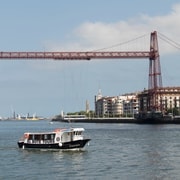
{"x": 57, "y": 136}
{"x": 39, "y": 138}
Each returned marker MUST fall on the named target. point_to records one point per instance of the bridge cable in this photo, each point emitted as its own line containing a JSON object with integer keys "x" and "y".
{"x": 120, "y": 44}
{"x": 169, "y": 41}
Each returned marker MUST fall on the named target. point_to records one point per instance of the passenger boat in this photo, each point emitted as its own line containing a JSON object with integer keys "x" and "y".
{"x": 71, "y": 138}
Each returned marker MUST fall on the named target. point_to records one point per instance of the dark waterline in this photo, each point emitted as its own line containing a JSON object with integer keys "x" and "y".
{"x": 117, "y": 151}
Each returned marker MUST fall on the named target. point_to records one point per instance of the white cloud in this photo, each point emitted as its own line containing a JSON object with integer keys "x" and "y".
{"x": 96, "y": 35}
{"x": 100, "y": 34}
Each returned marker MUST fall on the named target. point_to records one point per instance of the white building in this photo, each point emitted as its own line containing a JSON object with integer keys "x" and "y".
{"x": 167, "y": 98}
{"x": 116, "y": 105}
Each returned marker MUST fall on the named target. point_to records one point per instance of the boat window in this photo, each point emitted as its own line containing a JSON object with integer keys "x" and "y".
{"x": 31, "y": 137}
{"x": 37, "y": 137}
{"x": 45, "y": 137}
{"x": 42, "y": 136}
{"x": 75, "y": 133}
{"x": 48, "y": 136}
{"x": 78, "y": 133}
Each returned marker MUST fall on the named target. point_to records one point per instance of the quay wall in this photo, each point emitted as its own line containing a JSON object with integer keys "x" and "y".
{"x": 122, "y": 120}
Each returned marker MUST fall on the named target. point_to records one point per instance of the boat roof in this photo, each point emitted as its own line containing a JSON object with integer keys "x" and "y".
{"x": 73, "y": 129}
{"x": 58, "y": 130}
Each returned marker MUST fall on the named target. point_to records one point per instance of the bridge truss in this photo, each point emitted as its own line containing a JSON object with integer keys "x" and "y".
{"x": 155, "y": 79}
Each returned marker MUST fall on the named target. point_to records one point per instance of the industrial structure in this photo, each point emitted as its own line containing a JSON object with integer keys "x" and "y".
{"x": 150, "y": 100}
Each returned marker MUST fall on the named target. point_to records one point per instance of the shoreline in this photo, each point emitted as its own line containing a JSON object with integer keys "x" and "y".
{"x": 122, "y": 120}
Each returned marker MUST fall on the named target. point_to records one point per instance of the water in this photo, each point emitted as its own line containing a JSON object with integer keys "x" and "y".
{"x": 117, "y": 151}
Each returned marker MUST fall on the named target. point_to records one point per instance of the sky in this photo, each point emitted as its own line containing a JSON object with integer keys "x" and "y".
{"x": 46, "y": 87}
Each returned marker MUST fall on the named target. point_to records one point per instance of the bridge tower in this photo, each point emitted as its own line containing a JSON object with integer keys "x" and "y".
{"x": 155, "y": 78}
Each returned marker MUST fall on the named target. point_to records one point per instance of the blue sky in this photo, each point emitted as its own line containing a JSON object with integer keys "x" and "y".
{"x": 47, "y": 87}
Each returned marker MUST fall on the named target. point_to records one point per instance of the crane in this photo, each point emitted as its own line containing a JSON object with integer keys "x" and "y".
{"x": 155, "y": 79}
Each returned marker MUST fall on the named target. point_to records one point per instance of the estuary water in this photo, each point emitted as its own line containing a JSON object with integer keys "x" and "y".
{"x": 116, "y": 151}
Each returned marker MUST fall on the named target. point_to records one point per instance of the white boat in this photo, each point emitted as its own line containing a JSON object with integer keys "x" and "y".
{"x": 71, "y": 138}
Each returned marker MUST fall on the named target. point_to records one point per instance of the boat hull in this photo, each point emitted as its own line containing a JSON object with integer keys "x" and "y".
{"x": 65, "y": 145}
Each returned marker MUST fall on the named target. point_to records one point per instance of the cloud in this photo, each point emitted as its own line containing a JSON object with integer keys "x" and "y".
{"x": 98, "y": 35}
{"x": 94, "y": 35}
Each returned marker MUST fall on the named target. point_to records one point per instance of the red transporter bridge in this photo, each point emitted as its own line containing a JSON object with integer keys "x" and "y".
{"x": 155, "y": 79}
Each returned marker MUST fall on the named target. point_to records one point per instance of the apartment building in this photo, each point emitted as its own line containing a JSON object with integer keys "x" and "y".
{"x": 167, "y": 98}
{"x": 115, "y": 106}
